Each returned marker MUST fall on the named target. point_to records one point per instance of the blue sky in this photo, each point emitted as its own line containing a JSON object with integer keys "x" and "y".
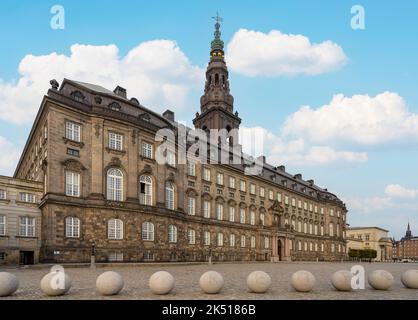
{"x": 381, "y": 58}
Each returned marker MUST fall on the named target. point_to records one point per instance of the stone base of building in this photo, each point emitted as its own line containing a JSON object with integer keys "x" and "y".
{"x": 18, "y": 256}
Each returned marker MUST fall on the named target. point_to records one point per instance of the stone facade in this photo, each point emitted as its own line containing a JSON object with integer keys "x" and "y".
{"x": 96, "y": 136}
{"x": 406, "y": 247}
{"x": 371, "y": 238}
{"x": 20, "y": 239}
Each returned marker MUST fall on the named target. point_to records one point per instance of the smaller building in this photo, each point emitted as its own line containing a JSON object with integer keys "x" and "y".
{"x": 20, "y": 221}
{"x": 374, "y": 238}
{"x": 407, "y": 247}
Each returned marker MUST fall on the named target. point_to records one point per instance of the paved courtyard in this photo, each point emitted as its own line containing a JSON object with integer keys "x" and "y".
{"x": 187, "y": 281}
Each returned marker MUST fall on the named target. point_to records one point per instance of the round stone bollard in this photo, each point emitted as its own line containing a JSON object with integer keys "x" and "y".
{"x": 8, "y": 284}
{"x": 302, "y": 281}
{"x": 55, "y": 284}
{"x": 341, "y": 280}
{"x": 211, "y": 282}
{"x": 258, "y": 281}
{"x": 161, "y": 282}
{"x": 410, "y": 279}
{"x": 109, "y": 283}
{"x": 380, "y": 280}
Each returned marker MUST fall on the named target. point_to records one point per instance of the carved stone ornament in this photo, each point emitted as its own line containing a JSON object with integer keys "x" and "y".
{"x": 147, "y": 170}
{"x": 97, "y": 127}
{"x": 276, "y": 207}
{"x": 72, "y": 164}
{"x": 115, "y": 162}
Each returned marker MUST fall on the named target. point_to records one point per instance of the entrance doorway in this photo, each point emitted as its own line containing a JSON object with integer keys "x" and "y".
{"x": 26, "y": 257}
{"x": 279, "y": 249}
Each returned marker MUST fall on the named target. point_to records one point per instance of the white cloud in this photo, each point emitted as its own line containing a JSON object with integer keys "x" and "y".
{"x": 397, "y": 191}
{"x": 255, "y": 53}
{"x": 259, "y": 141}
{"x": 9, "y": 156}
{"x": 359, "y": 119}
{"x": 157, "y": 72}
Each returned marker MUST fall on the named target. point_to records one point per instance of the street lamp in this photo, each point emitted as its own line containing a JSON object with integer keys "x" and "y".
{"x": 93, "y": 255}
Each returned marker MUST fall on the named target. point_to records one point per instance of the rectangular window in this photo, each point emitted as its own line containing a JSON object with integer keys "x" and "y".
{"x": 331, "y": 213}
{"x": 299, "y": 204}
{"x": 232, "y": 214}
{"x": 322, "y": 230}
{"x": 316, "y": 229}
{"x": 242, "y": 215}
{"x": 72, "y": 184}
{"x": 220, "y": 239}
{"x": 171, "y": 158}
{"x": 310, "y": 207}
{"x": 2, "y": 225}
{"x": 191, "y": 206}
{"x": 286, "y": 200}
{"x": 252, "y": 242}
{"x": 72, "y": 152}
{"x": 3, "y": 194}
{"x": 191, "y": 169}
{"x": 72, "y": 227}
{"x": 2, "y": 256}
{"x": 266, "y": 242}
{"x": 220, "y": 178}
{"x": 232, "y": 240}
{"x": 279, "y": 197}
{"x": 26, "y": 197}
{"x": 232, "y": 182}
{"x": 305, "y": 206}
{"x": 252, "y": 217}
{"x": 147, "y": 150}
{"x": 115, "y": 229}
{"x": 242, "y": 186}
{"x": 262, "y": 192}
{"x": 115, "y": 257}
{"x": 322, "y": 210}
{"x": 191, "y": 235}
{"x": 316, "y": 209}
{"x": 115, "y": 141}
{"x": 206, "y": 209}
{"x": 27, "y": 227}
{"x": 293, "y": 202}
{"x": 252, "y": 188}
{"x": 219, "y": 211}
{"x": 206, "y": 238}
{"x": 72, "y": 131}
{"x": 242, "y": 241}
{"x": 206, "y": 174}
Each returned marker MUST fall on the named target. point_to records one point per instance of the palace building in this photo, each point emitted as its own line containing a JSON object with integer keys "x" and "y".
{"x": 406, "y": 247}
{"x": 94, "y": 149}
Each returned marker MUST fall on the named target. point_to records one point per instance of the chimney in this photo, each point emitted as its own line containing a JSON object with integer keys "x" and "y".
{"x": 169, "y": 115}
{"x": 311, "y": 182}
{"x": 281, "y": 168}
{"x": 298, "y": 176}
{"x": 119, "y": 91}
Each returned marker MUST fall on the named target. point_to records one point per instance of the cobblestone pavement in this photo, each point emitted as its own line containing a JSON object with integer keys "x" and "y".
{"x": 187, "y": 281}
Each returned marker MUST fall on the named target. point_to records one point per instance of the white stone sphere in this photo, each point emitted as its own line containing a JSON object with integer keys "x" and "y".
{"x": 55, "y": 284}
{"x": 258, "y": 281}
{"x": 8, "y": 284}
{"x": 380, "y": 280}
{"x": 109, "y": 283}
{"x": 211, "y": 282}
{"x": 410, "y": 279}
{"x": 302, "y": 281}
{"x": 341, "y": 280}
{"x": 161, "y": 282}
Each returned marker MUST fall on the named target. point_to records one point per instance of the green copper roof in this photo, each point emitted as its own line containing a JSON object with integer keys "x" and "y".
{"x": 217, "y": 43}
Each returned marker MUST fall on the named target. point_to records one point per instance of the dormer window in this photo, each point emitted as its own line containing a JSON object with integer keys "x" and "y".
{"x": 78, "y": 96}
{"x": 115, "y": 106}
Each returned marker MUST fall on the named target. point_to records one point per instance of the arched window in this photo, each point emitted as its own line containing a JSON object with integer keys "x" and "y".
{"x": 169, "y": 195}
{"x": 331, "y": 229}
{"x": 115, "y": 229}
{"x": 147, "y": 231}
{"x": 172, "y": 233}
{"x": 305, "y": 227}
{"x": 262, "y": 218}
{"x": 299, "y": 226}
{"x": 145, "y": 190}
{"x": 114, "y": 184}
{"x": 72, "y": 227}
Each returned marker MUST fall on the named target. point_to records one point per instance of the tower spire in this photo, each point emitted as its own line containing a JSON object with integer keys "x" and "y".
{"x": 408, "y": 232}
{"x": 217, "y": 44}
